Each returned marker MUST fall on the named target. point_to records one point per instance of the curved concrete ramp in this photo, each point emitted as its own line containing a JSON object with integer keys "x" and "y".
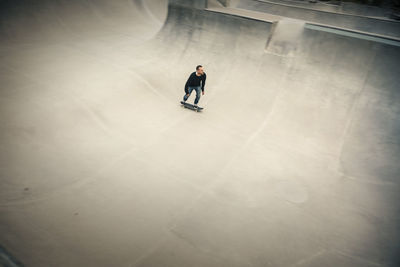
{"x": 292, "y": 162}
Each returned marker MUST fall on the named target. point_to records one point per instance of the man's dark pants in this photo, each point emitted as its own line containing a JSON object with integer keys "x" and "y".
{"x": 198, "y": 93}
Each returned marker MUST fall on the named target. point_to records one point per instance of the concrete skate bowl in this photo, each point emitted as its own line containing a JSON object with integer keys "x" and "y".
{"x": 293, "y": 161}
{"x": 27, "y": 21}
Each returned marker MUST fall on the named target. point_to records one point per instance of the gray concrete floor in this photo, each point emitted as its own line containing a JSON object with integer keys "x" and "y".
{"x": 294, "y": 160}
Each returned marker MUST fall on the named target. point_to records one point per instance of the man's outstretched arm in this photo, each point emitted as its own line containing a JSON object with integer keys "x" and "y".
{"x": 187, "y": 86}
{"x": 203, "y": 82}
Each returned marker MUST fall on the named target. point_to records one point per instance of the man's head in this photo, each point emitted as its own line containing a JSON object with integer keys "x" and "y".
{"x": 199, "y": 69}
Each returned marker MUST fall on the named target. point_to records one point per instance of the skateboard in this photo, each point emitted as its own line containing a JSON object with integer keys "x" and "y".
{"x": 190, "y": 106}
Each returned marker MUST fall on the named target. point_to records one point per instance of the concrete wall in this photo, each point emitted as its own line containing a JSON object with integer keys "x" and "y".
{"x": 372, "y": 25}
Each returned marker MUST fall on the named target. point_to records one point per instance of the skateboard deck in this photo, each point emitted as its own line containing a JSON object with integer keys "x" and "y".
{"x": 190, "y": 106}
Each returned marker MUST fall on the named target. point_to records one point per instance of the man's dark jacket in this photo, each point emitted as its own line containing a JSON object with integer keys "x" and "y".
{"x": 195, "y": 80}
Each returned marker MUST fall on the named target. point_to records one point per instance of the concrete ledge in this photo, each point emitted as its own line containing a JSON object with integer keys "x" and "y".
{"x": 265, "y": 17}
{"x": 254, "y": 15}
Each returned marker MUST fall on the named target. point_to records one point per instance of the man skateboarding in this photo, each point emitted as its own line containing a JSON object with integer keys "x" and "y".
{"x": 193, "y": 83}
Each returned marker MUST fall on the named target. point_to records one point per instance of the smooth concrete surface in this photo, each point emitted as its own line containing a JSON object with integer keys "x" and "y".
{"x": 294, "y": 160}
